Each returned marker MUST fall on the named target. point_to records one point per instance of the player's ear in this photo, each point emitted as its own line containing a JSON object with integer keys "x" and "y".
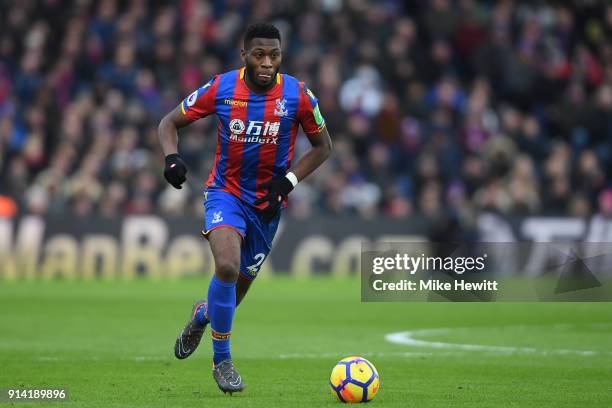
{"x": 243, "y": 55}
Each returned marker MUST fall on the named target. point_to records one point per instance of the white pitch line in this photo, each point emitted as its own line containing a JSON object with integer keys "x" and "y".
{"x": 408, "y": 338}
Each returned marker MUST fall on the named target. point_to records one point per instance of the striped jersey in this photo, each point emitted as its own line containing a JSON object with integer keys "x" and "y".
{"x": 255, "y": 132}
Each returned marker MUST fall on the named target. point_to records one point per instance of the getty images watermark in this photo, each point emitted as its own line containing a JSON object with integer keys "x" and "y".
{"x": 412, "y": 265}
{"x": 486, "y": 271}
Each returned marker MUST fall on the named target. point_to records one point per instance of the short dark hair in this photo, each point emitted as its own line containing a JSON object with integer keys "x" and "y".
{"x": 260, "y": 30}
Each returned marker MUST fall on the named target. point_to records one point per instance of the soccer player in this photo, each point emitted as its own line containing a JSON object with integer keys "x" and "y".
{"x": 259, "y": 111}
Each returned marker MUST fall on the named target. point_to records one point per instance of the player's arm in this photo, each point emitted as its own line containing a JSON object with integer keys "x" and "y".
{"x": 314, "y": 126}
{"x": 175, "y": 170}
{"x": 168, "y": 130}
{"x": 197, "y": 105}
{"x": 319, "y": 152}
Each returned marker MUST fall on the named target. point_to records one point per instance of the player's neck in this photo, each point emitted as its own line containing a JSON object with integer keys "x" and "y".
{"x": 257, "y": 88}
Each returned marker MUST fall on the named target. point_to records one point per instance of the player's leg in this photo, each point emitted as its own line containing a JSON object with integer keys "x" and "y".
{"x": 223, "y": 211}
{"x": 225, "y": 244}
{"x": 225, "y": 229}
{"x": 242, "y": 287}
{"x": 189, "y": 339}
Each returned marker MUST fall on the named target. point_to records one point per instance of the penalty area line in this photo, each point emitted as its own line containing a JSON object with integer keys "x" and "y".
{"x": 409, "y": 338}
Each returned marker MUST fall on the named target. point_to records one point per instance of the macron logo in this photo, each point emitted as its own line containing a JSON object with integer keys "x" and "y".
{"x": 234, "y": 102}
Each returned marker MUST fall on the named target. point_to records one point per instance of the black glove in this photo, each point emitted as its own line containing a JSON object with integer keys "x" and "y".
{"x": 278, "y": 189}
{"x": 175, "y": 170}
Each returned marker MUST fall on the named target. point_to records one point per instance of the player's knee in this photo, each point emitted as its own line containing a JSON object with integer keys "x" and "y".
{"x": 227, "y": 271}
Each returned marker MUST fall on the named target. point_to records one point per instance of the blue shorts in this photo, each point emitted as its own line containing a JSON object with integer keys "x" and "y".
{"x": 226, "y": 210}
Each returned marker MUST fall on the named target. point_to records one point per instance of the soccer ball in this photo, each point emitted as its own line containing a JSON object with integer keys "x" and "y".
{"x": 354, "y": 379}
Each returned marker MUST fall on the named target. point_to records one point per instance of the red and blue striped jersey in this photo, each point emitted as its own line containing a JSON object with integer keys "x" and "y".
{"x": 255, "y": 132}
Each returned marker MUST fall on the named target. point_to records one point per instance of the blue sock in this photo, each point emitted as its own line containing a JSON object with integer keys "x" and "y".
{"x": 221, "y": 306}
{"x": 200, "y": 315}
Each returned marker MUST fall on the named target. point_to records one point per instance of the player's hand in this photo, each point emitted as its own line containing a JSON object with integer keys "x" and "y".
{"x": 278, "y": 189}
{"x": 175, "y": 170}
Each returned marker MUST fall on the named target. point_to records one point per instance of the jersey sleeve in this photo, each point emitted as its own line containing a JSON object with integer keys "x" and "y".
{"x": 201, "y": 102}
{"x": 309, "y": 115}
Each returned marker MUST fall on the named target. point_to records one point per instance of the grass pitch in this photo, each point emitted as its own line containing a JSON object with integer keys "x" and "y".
{"x": 111, "y": 345}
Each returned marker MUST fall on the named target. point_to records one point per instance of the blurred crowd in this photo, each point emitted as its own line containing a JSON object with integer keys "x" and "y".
{"x": 436, "y": 108}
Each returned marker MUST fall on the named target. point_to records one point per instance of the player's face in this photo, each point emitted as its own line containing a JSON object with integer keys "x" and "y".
{"x": 263, "y": 59}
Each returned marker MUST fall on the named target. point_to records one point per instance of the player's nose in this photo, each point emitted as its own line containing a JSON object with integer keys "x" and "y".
{"x": 266, "y": 62}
